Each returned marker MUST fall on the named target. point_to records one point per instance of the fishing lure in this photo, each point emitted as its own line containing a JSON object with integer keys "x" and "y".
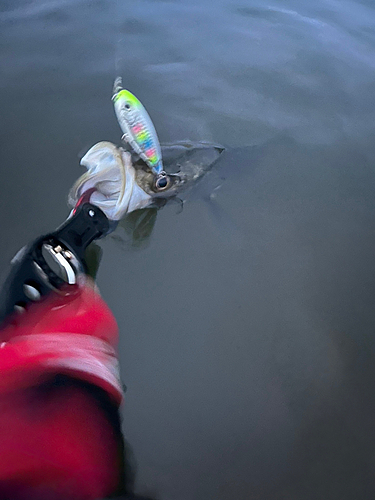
{"x": 138, "y": 129}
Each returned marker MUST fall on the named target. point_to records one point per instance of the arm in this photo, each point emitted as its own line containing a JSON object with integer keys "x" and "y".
{"x": 60, "y": 392}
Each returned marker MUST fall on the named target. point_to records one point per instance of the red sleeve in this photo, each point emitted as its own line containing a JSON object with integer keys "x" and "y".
{"x": 57, "y": 442}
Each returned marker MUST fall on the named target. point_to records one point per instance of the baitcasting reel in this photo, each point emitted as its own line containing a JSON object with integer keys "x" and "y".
{"x": 52, "y": 262}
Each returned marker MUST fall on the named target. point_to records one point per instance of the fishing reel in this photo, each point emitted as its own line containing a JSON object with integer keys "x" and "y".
{"x": 53, "y": 262}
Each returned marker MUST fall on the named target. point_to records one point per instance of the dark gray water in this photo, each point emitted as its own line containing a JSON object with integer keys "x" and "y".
{"x": 247, "y": 323}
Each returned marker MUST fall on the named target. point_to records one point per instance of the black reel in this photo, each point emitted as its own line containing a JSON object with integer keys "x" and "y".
{"x": 51, "y": 261}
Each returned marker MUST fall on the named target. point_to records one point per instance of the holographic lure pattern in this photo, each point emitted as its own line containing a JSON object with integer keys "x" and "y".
{"x": 139, "y": 131}
{"x": 144, "y": 139}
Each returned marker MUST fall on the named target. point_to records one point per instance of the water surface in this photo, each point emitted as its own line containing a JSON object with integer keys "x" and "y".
{"x": 247, "y": 321}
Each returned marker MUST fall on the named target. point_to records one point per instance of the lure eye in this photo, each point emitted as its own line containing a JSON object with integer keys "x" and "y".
{"x": 162, "y": 183}
{"x": 127, "y": 106}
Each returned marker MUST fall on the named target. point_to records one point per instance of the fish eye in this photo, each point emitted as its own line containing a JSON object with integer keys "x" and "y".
{"x": 162, "y": 183}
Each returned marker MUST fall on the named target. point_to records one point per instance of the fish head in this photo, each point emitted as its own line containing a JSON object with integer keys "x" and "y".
{"x": 185, "y": 164}
{"x": 123, "y": 185}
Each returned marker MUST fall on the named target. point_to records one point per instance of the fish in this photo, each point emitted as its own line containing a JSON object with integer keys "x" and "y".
{"x": 137, "y": 127}
{"x": 121, "y": 185}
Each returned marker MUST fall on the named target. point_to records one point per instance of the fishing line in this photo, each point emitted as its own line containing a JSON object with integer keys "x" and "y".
{"x": 118, "y": 58}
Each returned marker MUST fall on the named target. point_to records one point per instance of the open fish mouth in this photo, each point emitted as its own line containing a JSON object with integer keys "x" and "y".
{"x": 110, "y": 173}
{"x": 122, "y": 184}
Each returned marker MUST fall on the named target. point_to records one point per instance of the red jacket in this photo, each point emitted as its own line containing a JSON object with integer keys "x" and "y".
{"x": 59, "y": 390}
